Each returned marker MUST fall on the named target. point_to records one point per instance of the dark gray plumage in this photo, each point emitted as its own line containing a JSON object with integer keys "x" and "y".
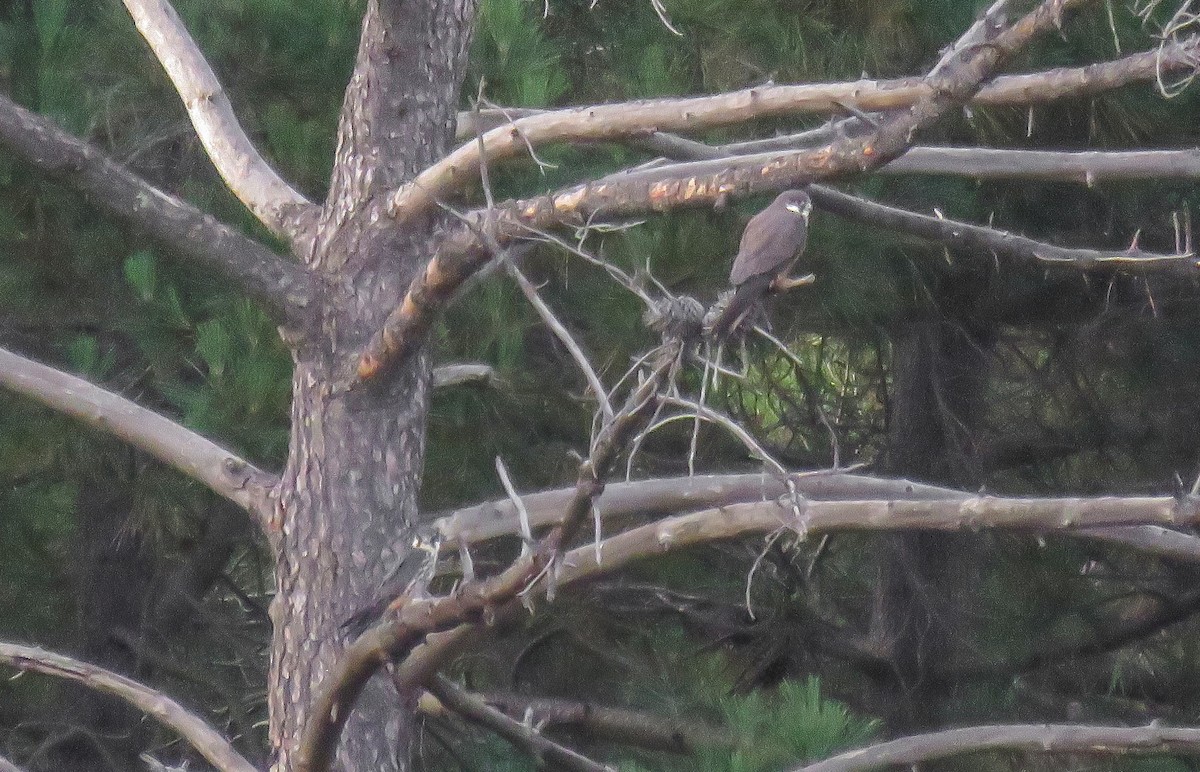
{"x": 771, "y": 245}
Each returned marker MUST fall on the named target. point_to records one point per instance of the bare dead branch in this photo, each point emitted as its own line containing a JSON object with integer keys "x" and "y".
{"x": 625, "y": 120}
{"x": 1084, "y": 167}
{"x": 1024, "y": 89}
{"x": 1028, "y": 738}
{"x": 670, "y": 495}
{"x": 688, "y": 185}
{"x": 477, "y": 601}
{"x": 656, "y": 497}
{"x": 619, "y": 725}
{"x": 522, "y": 735}
{"x": 819, "y": 517}
{"x": 486, "y": 599}
{"x": 223, "y": 471}
{"x": 1090, "y": 167}
{"x": 276, "y": 204}
{"x": 284, "y": 288}
{"x": 459, "y": 374}
{"x": 963, "y": 235}
{"x": 206, "y": 740}
{"x": 1086, "y": 518}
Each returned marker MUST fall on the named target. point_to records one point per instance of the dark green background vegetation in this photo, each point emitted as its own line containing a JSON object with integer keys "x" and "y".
{"x": 1089, "y": 383}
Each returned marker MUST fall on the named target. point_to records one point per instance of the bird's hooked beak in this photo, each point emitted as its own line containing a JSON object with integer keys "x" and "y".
{"x": 804, "y": 210}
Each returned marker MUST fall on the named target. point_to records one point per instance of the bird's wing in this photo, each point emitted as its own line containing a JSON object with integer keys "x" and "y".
{"x": 767, "y": 248}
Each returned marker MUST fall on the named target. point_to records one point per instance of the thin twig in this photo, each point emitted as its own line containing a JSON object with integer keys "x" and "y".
{"x": 728, "y": 424}
{"x": 515, "y": 498}
{"x": 564, "y": 336}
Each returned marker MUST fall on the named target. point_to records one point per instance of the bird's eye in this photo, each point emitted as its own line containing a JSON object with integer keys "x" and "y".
{"x": 797, "y": 209}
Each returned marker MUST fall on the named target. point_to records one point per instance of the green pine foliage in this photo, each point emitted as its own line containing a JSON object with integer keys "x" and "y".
{"x": 781, "y": 730}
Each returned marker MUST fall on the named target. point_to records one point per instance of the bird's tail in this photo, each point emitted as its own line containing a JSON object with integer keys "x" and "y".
{"x": 747, "y": 294}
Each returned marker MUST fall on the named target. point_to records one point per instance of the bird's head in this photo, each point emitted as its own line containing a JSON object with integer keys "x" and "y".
{"x": 797, "y": 202}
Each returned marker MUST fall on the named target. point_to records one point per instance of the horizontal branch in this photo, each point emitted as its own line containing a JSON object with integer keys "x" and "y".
{"x": 509, "y": 137}
{"x": 221, "y": 470}
{"x": 670, "y": 495}
{"x": 283, "y": 287}
{"x": 623, "y": 195}
{"x": 206, "y": 740}
{"x": 1028, "y": 738}
{"x": 821, "y": 517}
{"x": 1089, "y": 167}
{"x": 662, "y": 496}
{"x": 1085, "y": 167}
{"x": 956, "y": 511}
{"x": 1085, "y": 517}
{"x": 272, "y": 200}
{"x": 956, "y": 234}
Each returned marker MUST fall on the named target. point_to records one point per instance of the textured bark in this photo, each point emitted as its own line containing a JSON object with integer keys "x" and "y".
{"x": 349, "y": 493}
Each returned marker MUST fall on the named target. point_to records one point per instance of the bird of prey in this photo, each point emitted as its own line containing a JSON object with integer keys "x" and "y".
{"x": 771, "y": 245}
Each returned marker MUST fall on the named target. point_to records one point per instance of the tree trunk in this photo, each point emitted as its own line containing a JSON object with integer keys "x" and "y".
{"x": 348, "y": 498}
{"x": 924, "y": 579}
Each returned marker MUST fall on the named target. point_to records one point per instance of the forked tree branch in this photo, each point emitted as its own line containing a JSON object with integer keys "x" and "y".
{"x": 256, "y": 184}
{"x": 635, "y": 193}
{"x": 221, "y": 470}
{"x": 206, "y": 740}
{"x": 284, "y": 288}
{"x": 1028, "y": 738}
{"x": 961, "y": 511}
{"x": 485, "y": 599}
{"x": 935, "y": 509}
{"x": 507, "y": 137}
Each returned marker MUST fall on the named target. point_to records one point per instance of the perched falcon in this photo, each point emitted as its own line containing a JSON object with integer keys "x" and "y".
{"x": 773, "y": 241}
